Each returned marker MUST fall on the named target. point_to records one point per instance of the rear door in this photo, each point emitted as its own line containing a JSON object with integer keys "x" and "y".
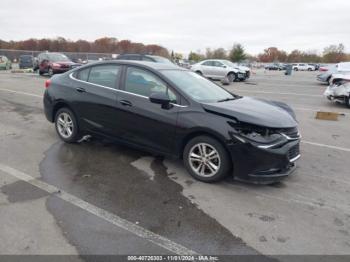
{"x": 140, "y": 121}
{"x": 96, "y": 98}
{"x": 207, "y": 68}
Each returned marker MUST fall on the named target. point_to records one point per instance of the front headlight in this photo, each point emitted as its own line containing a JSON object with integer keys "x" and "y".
{"x": 256, "y": 134}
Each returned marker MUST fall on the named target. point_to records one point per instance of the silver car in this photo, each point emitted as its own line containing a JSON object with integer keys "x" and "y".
{"x": 219, "y": 69}
{"x": 326, "y": 76}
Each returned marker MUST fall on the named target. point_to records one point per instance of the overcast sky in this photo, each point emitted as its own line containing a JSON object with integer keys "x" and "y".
{"x": 184, "y": 25}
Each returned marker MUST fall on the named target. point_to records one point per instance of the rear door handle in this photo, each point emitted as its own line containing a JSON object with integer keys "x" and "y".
{"x": 125, "y": 103}
{"x": 80, "y": 89}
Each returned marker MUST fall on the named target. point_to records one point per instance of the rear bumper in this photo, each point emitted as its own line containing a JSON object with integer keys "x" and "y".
{"x": 48, "y": 107}
{"x": 264, "y": 166}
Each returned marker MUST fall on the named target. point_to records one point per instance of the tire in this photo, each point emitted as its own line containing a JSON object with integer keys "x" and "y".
{"x": 209, "y": 170}
{"x": 309, "y": 69}
{"x": 347, "y": 101}
{"x": 67, "y": 126}
{"x": 50, "y": 72}
{"x": 329, "y": 80}
{"x": 199, "y": 73}
{"x": 296, "y": 69}
{"x": 41, "y": 72}
{"x": 231, "y": 77}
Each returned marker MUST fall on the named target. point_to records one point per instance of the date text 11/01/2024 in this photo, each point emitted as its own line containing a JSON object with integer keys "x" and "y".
{"x": 173, "y": 258}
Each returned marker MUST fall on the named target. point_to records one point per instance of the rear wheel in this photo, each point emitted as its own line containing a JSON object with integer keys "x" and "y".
{"x": 199, "y": 73}
{"x": 206, "y": 159}
{"x": 66, "y": 125}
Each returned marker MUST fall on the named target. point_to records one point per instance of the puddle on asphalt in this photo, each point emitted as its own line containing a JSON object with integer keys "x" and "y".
{"x": 103, "y": 174}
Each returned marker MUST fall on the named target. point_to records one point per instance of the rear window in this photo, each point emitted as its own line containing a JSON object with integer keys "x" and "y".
{"x": 83, "y": 75}
{"x": 104, "y": 75}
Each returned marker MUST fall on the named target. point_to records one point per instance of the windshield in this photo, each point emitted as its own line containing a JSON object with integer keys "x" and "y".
{"x": 58, "y": 57}
{"x": 197, "y": 87}
{"x": 25, "y": 58}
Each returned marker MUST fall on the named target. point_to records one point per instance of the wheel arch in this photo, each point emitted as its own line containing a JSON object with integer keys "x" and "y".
{"x": 58, "y": 106}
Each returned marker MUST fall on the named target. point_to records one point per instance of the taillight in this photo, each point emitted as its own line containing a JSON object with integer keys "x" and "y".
{"x": 47, "y": 83}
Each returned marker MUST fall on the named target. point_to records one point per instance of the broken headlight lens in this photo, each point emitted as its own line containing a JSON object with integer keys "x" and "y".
{"x": 256, "y": 134}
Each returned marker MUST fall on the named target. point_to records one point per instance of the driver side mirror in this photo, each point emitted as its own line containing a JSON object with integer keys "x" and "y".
{"x": 161, "y": 99}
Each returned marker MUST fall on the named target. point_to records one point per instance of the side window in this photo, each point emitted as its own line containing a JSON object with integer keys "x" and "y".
{"x": 208, "y": 63}
{"x": 144, "y": 83}
{"x": 83, "y": 75}
{"x": 104, "y": 75}
{"x": 218, "y": 64}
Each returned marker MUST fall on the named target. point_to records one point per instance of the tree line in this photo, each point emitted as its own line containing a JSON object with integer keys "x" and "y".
{"x": 330, "y": 54}
{"x": 102, "y": 45}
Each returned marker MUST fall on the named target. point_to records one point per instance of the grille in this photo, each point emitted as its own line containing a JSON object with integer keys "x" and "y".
{"x": 294, "y": 151}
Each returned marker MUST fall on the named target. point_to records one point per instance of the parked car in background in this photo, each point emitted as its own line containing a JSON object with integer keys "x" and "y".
{"x": 317, "y": 66}
{"x": 184, "y": 63}
{"x": 169, "y": 110}
{"x": 275, "y": 66}
{"x": 339, "y": 89}
{"x": 328, "y": 71}
{"x": 241, "y": 68}
{"x": 142, "y": 57}
{"x": 5, "y": 63}
{"x": 55, "y": 63}
{"x": 219, "y": 69}
{"x": 26, "y": 61}
{"x": 303, "y": 67}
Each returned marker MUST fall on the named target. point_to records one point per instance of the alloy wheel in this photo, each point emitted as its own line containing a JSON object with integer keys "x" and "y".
{"x": 65, "y": 125}
{"x": 204, "y": 160}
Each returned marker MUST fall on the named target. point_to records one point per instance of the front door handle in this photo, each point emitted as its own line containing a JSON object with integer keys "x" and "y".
{"x": 80, "y": 89}
{"x": 125, "y": 102}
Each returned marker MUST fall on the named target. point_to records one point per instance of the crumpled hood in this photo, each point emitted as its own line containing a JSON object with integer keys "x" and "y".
{"x": 255, "y": 111}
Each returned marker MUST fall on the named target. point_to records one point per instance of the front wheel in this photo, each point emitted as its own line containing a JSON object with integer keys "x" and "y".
{"x": 232, "y": 77}
{"x": 50, "y": 72}
{"x": 206, "y": 159}
{"x": 66, "y": 125}
{"x": 347, "y": 101}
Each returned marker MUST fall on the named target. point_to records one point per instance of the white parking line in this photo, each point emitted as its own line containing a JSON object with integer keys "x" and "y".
{"x": 277, "y": 93}
{"x": 19, "y": 92}
{"x": 101, "y": 213}
{"x": 327, "y": 146}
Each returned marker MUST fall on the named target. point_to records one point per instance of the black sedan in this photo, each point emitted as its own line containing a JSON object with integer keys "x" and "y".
{"x": 166, "y": 109}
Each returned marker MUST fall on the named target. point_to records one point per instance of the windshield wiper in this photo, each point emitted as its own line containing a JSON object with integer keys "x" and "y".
{"x": 227, "y": 99}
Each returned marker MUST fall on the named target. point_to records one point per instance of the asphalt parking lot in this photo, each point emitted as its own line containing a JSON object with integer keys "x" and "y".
{"x": 100, "y": 198}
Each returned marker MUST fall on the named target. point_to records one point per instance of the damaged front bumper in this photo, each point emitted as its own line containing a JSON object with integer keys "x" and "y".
{"x": 265, "y": 164}
{"x": 338, "y": 93}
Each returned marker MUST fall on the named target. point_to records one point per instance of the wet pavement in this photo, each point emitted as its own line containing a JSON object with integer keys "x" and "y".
{"x": 309, "y": 213}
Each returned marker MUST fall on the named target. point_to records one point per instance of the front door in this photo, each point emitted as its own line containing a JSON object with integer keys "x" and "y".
{"x": 142, "y": 122}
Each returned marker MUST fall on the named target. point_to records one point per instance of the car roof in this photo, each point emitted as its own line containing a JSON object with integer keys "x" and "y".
{"x": 152, "y": 65}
